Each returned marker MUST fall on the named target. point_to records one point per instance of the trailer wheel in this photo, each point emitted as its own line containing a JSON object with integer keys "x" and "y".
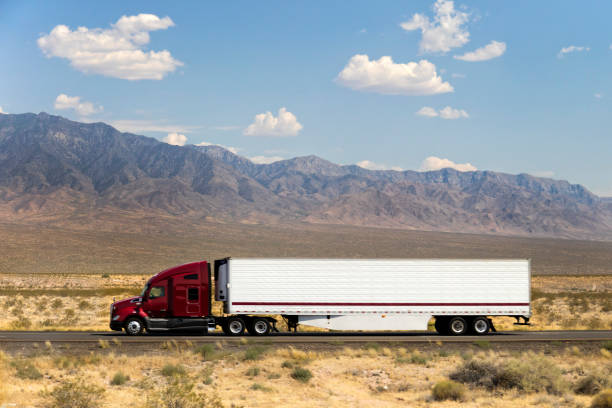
{"x": 480, "y": 326}
{"x": 133, "y": 326}
{"x": 457, "y": 326}
{"x": 259, "y": 327}
{"x": 441, "y": 325}
{"x": 234, "y": 326}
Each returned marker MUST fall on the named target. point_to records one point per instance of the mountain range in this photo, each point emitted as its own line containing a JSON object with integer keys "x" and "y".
{"x": 60, "y": 171}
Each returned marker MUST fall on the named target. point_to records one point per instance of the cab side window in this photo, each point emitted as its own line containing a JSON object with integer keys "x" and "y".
{"x": 157, "y": 292}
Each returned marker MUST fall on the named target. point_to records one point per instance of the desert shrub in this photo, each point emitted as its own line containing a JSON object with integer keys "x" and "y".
{"x": 603, "y": 399}
{"x": 532, "y": 373}
{"x": 287, "y": 364}
{"x": 22, "y": 322}
{"x": 483, "y": 344}
{"x": 57, "y": 303}
{"x": 607, "y": 345}
{"x": 254, "y": 353}
{"x": 206, "y": 351}
{"x": 119, "y": 378}
{"x": 105, "y": 276}
{"x": 592, "y": 384}
{"x": 301, "y": 374}
{"x": 259, "y": 387}
{"x": 475, "y": 372}
{"x": 173, "y": 370}
{"x": 372, "y": 346}
{"x": 274, "y": 376}
{"x": 76, "y": 394}
{"x": 26, "y": 370}
{"x": 85, "y": 305}
{"x": 413, "y": 358}
{"x": 181, "y": 393}
{"x": 252, "y": 372}
{"x": 448, "y": 390}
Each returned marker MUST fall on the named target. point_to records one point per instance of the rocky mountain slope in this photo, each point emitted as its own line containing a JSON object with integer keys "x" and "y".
{"x": 54, "y": 168}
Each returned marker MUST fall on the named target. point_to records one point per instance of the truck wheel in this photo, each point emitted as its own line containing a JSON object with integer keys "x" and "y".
{"x": 259, "y": 327}
{"x": 235, "y": 326}
{"x": 133, "y": 326}
{"x": 441, "y": 325}
{"x": 480, "y": 326}
{"x": 457, "y": 326}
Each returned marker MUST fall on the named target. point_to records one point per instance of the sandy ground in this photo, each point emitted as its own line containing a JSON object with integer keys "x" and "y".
{"x": 262, "y": 376}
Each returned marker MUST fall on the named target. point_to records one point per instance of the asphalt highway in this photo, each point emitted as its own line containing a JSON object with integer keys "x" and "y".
{"x": 306, "y": 337}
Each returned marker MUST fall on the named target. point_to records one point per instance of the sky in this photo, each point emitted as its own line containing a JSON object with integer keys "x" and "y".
{"x": 515, "y": 87}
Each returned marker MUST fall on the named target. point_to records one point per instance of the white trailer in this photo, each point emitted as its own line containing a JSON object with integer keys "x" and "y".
{"x": 375, "y": 294}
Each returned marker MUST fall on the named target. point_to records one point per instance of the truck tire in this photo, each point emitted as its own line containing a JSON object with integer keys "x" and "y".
{"x": 234, "y": 326}
{"x": 457, "y": 326}
{"x": 441, "y": 325}
{"x": 133, "y": 326}
{"x": 480, "y": 326}
{"x": 259, "y": 327}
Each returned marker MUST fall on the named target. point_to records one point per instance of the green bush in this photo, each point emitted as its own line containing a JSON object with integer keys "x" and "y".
{"x": 603, "y": 399}
{"x": 26, "y": 370}
{"x": 607, "y": 345}
{"x": 76, "y": 394}
{"x": 259, "y": 387}
{"x": 173, "y": 370}
{"x": 180, "y": 393}
{"x": 254, "y": 353}
{"x": 532, "y": 373}
{"x": 448, "y": 390}
{"x": 206, "y": 351}
{"x": 287, "y": 364}
{"x": 119, "y": 378}
{"x": 592, "y": 384}
{"x": 301, "y": 374}
{"x": 253, "y": 372}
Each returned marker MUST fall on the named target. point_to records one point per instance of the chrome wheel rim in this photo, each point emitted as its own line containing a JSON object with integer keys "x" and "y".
{"x": 260, "y": 326}
{"x": 458, "y": 326}
{"x": 133, "y": 327}
{"x": 235, "y": 327}
{"x": 481, "y": 326}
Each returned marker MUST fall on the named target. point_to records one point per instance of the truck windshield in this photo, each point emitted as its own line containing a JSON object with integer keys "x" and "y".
{"x": 144, "y": 290}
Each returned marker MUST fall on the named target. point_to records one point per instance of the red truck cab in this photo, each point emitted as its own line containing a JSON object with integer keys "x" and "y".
{"x": 177, "y": 298}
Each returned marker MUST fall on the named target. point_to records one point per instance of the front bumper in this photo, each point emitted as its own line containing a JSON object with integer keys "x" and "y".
{"x": 116, "y": 325}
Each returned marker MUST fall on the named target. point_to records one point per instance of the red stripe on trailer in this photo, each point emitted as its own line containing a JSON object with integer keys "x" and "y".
{"x": 370, "y": 304}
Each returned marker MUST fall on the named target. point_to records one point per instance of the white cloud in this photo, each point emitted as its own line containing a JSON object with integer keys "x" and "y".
{"x": 598, "y": 95}
{"x": 265, "y": 159}
{"x": 444, "y": 113}
{"x": 543, "y": 173}
{"x": 63, "y": 102}
{"x": 445, "y": 31}
{"x": 570, "y": 49}
{"x": 266, "y": 124}
{"x": 116, "y": 51}
{"x": 1, "y": 111}
{"x": 435, "y": 163}
{"x": 139, "y": 126}
{"x": 175, "y": 139}
{"x": 386, "y": 77}
{"x": 230, "y": 148}
{"x": 427, "y": 111}
{"x": 492, "y": 50}
{"x": 370, "y": 165}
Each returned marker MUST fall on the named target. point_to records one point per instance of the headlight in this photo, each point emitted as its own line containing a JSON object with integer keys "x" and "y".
{"x": 116, "y": 317}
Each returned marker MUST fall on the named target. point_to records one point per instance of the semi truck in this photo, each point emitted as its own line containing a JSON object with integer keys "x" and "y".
{"x": 461, "y": 295}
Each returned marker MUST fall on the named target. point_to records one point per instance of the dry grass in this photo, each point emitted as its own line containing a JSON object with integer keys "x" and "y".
{"x": 339, "y": 377}
{"x": 81, "y": 302}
